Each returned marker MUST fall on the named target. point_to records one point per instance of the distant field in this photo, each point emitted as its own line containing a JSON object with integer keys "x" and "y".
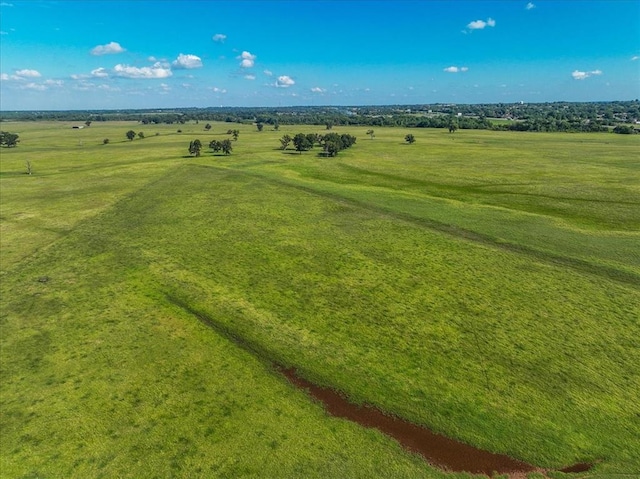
{"x": 483, "y": 284}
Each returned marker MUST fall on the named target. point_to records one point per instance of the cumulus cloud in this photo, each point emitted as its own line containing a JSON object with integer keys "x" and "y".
{"x": 317, "y": 89}
{"x": 218, "y": 90}
{"x": 268, "y": 73}
{"x": 57, "y": 83}
{"x": 187, "y": 62}
{"x": 250, "y": 77}
{"x": 578, "y": 75}
{"x": 109, "y": 48}
{"x": 4, "y": 77}
{"x": 454, "y": 69}
{"x": 156, "y": 71}
{"x": 530, "y": 6}
{"x": 481, "y": 24}
{"x": 100, "y": 73}
{"x": 247, "y": 60}
{"x": 28, "y": 73}
{"x": 284, "y": 81}
{"x": 219, "y": 37}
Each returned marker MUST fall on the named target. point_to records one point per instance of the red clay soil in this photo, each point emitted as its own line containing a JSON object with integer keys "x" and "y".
{"x": 581, "y": 467}
{"x": 438, "y": 450}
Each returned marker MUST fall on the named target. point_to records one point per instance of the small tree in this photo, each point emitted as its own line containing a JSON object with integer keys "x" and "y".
{"x": 301, "y": 142}
{"x": 207, "y": 126}
{"x": 88, "y": 123}
{"x": 141, "y": 135}
{"x": 276, "y": 125}
{"x": 284, "y": 141}
{"x": 28, "y": 165}
{"x": 215, "y": 145}
{"x": 410, "y": 139}
{"x": 194, "y": 147}
{"x": 226, "y": 146}
{"x": 131, "y": 135}
{"x": 105, "y": 141}
{"x": 329, "y": 125}
{"x": 259, "y": 126}
{"x": 235, "y": 134}
{"x": 370, "y": 133}
{"x": 8, "y": 139}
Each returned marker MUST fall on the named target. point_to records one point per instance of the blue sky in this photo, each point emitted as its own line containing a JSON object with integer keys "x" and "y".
{"x": 160, "y": 54}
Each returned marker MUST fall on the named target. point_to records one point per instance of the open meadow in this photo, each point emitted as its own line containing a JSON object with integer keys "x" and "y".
{"x": 483, "y": 284}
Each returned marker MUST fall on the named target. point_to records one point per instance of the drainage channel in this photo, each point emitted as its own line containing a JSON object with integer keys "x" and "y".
{"x": 440, "y": 451}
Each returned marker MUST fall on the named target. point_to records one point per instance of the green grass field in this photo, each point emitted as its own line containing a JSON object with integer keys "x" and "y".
{"x": 483, "y": 284}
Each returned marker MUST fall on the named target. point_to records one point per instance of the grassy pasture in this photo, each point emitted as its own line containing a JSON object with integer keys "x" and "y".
{"x": 485, "y": 284}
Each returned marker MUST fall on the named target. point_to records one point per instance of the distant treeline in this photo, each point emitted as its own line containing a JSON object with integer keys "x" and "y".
{"x": 561, "y": 116}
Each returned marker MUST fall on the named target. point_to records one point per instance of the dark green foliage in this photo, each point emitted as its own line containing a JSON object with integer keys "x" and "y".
{"x": 301, "y": 142}
{"x": 194, "y": 147}
{"x": 141, "y": 135}
{"x": 131, "y": 135}
{"x": 215, "y": 145}
{"x": 284, "y": 141}
{"x": 259, "y": 126}
{"x": 409, "y": 138}
{"x": 8, "y": 139}
{"x": 226, "y": 146}
{"x": 105, "y": 141}
{"x": 624, "y": 130}
{"x": 207, "y": 126}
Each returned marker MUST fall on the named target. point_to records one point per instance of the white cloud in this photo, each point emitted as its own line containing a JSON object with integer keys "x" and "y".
{"x": 268, "y": 73}
{"x": 109, "y": 48}
{"x": 317, "y": 89}
{"x": 530, "y": 6}
{"x": 156, "y": 71}
{"x": 248, "y": 60}
{"x": 634, "y": 58}
{"x": 187, "y": 62}
{"x": 284, "y": 81}
{"x": 219, "y": 37}
{"x": 454, "y": 69}
{"x": 34, "y": 86}
{"x": 28, "y": 73}
{"x": 250, "y": 77}
{"x": 58, "y": 83}
{"x": 4, "y": 77}
{"x": 480, "y": 24}
{"x": 2, "y": 32}
{"x": 218, "y": 90}
{"x": 578, "y": 75}
{"x": 5, "y": 4}
{"x": 100, "y": 73}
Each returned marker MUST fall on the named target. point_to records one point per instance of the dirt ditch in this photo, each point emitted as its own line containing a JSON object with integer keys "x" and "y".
{"x": 438, "y": 450}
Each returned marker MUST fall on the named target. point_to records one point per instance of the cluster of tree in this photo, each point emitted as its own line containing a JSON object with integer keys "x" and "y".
{"x": 234, "y": 133}
{"x": 8, "y": 139}
{"x": 225, "y": 146}
{"x": 559, "y": 116}
{"x": 195, "y": 147}
{"x": 624, "y": 130}
{"x": 331, "y": 143}
{"x": 131, "y": 135}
